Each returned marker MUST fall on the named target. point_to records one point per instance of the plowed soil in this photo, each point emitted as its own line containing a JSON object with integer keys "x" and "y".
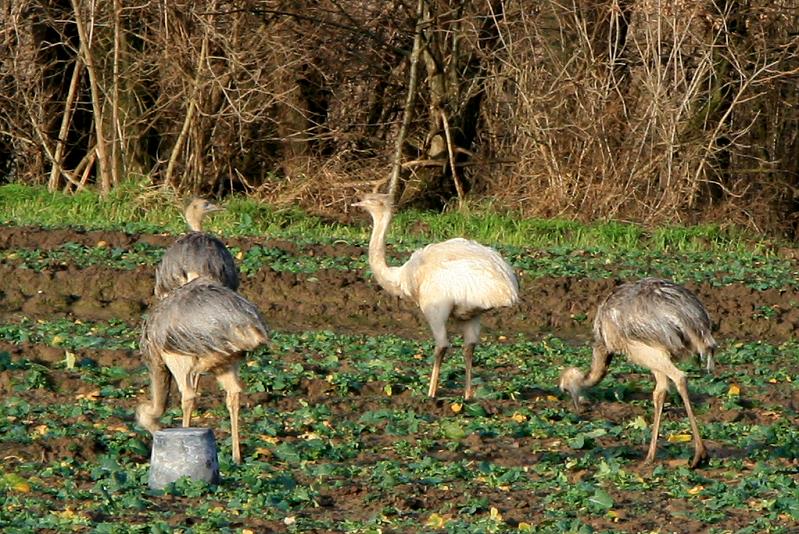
{"x": 352, "y": 302}
{"x": 347, "y": 301}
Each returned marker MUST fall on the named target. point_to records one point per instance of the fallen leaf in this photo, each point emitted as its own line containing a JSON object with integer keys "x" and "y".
{"x": 15, "y": 483}
{"x": 39, "y": 431}
{"x": 240, "y": 255}
{"x": 696, "y": 490}
{"x": 435, "y": 521}
{"x": 262, "y": 451}
{"x": 525, "y": 527}
{"x": 678, "y": 438}
{"x": 734, "y": 390}
{"x": 91, "y": 395}
{"x": 66, "y": 514}
{"x": 519, "y": 418}
{"x": 495, "y": 515}
{"x": 552, "y": 398}
{"x": 456, "y": 407}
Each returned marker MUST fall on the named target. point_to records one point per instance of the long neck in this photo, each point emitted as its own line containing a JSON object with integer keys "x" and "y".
{"x": 387, "y": 277}
{"x": 195, "y": 221}
{"x": 599, "y": 366}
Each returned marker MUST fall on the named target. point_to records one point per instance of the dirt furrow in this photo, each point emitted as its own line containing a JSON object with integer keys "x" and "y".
{"x": 346, "y": 301}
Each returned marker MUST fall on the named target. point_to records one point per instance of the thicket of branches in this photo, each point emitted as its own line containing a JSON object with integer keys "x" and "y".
{"x": 649, "y": 110}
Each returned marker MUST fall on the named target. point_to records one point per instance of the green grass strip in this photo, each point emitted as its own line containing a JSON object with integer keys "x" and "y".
{"x": 135, "y": 207}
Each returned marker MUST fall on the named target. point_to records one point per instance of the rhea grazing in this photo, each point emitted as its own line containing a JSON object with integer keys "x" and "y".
{"x": 458, "y": 278}
{"x": 201, "y": 327}
{"x": 650, "y": 321}
{"x": 196, "y": 254}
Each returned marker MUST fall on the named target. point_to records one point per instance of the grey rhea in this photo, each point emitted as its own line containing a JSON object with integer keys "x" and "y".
{"x": 458, "y": 278}
{"x": 201, "y": 327}
{"x": 651, "y": 321}
{"x": 196, "y": 254}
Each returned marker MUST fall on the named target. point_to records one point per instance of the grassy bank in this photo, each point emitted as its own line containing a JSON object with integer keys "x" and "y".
{"x": 135, "y": 208}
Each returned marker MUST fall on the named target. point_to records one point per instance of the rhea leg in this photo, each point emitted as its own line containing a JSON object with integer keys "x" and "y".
{"x": 147, "y": 414}
{"x": 229, "y": 381}
{"x": 660, "y": 363}
{"x": 471, "y": 336}
{"x": 181, "y": 368}
{"x": 658, "y": 398}
{"x": 700, "y": 452}
{"x": 437, "y": 315}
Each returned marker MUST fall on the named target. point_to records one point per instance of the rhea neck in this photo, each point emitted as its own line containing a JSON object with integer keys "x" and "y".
{"x": 195, "y": 220}
{"x": 600, "y": 363}
{"x": 387, "y": 277}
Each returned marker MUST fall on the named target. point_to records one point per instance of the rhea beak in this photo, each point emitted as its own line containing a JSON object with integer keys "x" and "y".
{"x": 358, "y": 204}
{"x": 210, "y": 207}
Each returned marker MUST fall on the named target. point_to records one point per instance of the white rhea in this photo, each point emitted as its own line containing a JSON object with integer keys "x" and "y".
{"x": 458, "y": 278}
{"x": 650, "y": 321}
{"x": 200, "y": 327}
{"x": 196, "y": 254}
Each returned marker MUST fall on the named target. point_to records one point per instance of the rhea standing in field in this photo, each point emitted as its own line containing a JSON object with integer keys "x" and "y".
{"x": 650, "y": 321}
{"x": 196, "y": 254}
{"x": 201, "y": 327}
{"x": 456, "y": 278}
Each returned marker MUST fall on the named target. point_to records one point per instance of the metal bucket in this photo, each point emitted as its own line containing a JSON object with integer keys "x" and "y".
{"x": 183, "y": 452}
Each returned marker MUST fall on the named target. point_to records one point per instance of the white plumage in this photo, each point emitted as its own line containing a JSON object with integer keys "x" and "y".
{"x": 459, "y": 278}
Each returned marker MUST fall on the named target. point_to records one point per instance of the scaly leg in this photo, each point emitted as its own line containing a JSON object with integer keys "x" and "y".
{"x": 439, "y": 357}
{"x": 193, "y": 382}
{"x": 229, "y": 381}
{"x": 181, "y": 368}
{"x": 147, "y": 414}
{"x": 660, "y": 363}
{"x": 471, "y": 336}
{"x": 658, "y": 398}
{"x": 700, "y": 452}
{"x": 437, "y": 315}
{"x": 468, "y": 352}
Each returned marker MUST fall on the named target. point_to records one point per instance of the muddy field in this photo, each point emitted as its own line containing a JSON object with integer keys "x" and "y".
{"x": 349, "y": 303}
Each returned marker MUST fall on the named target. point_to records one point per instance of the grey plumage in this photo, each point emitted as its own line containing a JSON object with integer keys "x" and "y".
{"x": 657, "y": 313}
{"x": 201, "y": 327}
{"x": 650, "y": 321}
{"x": 196, "y": 254}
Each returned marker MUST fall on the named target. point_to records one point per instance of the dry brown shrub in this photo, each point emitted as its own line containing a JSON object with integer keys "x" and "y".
{"x": 641, "y": 110}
